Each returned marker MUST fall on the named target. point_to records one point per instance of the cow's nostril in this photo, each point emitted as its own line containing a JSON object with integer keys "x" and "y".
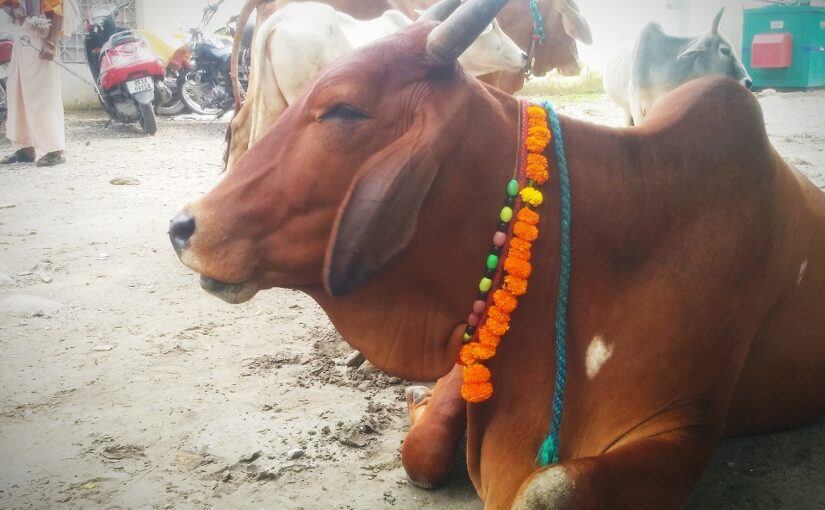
{"x": 748, "y": 83}
{"x": 181, "y": 229}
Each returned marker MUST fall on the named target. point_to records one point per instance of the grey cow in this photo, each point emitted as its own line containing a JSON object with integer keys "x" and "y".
{"x": 637, "y": 77}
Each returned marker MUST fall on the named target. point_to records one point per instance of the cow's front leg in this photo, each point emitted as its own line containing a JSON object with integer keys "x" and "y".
{"x": 655, "y": 472}
{"x": 439, "y": 421}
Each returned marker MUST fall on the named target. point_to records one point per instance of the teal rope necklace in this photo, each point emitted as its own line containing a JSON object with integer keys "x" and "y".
{"x": 549, "y": 451}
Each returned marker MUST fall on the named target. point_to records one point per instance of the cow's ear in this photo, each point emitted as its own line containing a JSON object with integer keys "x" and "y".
{"x": 574, "y": 23}
{"x": 379, "y": 214}
{"x": 693, "y": 50}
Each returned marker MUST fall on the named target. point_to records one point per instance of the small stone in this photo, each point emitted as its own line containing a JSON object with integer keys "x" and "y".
{"x": 295, "y": 454}
{"x": 356, "y": 359}
{"x": 252, "y": 457}
{"x": 103, "y": 348}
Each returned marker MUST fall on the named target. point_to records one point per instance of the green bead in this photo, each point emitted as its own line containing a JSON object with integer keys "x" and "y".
{"x": 512, "y": 188}
{"x": 492, "y": 261}
{"x": 485, "y": 284}
{"x": 506, "y": 214}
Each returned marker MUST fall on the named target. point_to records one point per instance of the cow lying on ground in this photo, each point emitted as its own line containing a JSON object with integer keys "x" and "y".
{"x": 697, "y": 274}
{"x": 295, "y": 43}
{"x": 637, "y": 77}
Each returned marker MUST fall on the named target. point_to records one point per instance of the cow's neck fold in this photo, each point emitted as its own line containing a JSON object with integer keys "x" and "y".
{"x": 409, "y": 320}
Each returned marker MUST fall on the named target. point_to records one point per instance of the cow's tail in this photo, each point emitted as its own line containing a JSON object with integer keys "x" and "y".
{"x": 240, "y": 28}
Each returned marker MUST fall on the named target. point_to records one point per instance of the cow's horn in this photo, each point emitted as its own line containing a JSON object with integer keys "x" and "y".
{"x": 717, "y": 19}
{"x": 449, "y": 40}
{"x": 439, "y": 11}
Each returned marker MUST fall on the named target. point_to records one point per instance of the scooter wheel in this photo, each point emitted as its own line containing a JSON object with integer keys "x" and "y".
{"x": 147, "y": 118}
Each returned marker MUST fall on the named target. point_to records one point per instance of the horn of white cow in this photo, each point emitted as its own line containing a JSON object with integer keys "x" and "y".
{"x": 716, "y": 20}
{"x": 440, "y": 11}
{"x": 449, "y": 39}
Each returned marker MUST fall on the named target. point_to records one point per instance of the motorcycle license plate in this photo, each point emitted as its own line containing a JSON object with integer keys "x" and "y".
{"x": 140, "y": 85}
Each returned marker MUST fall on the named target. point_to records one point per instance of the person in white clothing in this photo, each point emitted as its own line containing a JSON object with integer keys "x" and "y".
{"x": 35, "y": 123}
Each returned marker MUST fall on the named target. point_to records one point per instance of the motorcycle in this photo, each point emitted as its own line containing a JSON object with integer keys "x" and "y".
{"x": 176, "y": 60}
{"x": 129, "y": 78}
{"x": 6, "y": 45}
{"x": 207, "y": 88}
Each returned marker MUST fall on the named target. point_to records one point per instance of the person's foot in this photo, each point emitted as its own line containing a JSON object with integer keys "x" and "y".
{"x": 51, "y": 159}
{"x": 19, "y": 156}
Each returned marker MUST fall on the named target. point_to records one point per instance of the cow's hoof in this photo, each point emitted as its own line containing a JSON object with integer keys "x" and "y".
{"x": 549, "y": 489}
{"x": 417, "y": 399}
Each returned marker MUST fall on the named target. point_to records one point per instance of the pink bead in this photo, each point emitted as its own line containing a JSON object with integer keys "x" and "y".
{"x": 499, "y": 238}
{"x": 479, "y": 306}
{"x": 472, "y": 320}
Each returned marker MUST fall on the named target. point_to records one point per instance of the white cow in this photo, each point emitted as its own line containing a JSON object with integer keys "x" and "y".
{"x": 639, "y": 75}
{"x": 296, "y": 42}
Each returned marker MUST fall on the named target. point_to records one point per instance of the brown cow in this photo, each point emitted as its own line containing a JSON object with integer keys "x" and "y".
{"x": 697, "y": 284}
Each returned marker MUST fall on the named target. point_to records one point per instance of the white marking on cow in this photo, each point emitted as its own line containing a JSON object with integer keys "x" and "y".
{"x": 802, "y": 268}
{"x": 598, "y": 352}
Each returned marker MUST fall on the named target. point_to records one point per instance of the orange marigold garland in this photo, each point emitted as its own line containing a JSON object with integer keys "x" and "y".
{"x": 487, "y": 323}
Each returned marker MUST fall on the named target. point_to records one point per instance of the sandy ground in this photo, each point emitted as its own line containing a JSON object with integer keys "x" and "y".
{"x": 123, "y": 385}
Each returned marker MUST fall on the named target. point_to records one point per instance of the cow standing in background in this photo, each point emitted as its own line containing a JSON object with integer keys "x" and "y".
{"x": 294, "y": 44}
{"x": 637, "y": 77}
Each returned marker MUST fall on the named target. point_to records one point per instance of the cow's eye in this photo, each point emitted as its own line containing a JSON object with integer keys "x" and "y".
{"x": 345, "y": 112}
{"x": 724, "y": 50}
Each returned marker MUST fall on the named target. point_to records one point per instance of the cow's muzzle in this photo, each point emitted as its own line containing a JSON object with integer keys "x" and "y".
{"x": 234, "y": 293}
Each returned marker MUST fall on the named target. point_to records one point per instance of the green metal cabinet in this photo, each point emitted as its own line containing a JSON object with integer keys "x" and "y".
{"x": 784, "y": 46}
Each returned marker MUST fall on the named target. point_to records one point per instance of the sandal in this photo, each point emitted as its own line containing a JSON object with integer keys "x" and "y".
{"x": 52, "y": 159}
{"x": 18, "y": 156}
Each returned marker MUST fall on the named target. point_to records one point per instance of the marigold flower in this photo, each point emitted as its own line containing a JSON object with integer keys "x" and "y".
{"x": 477, "y": 392}
{"x": 536, "y": 116}
{"x": 496, "y": 313}
{"x": 537, "y": 138}
{"x": 517, "y": 286}
{"x": 486, "y": 337}
{"x": 531, "y": 196}
{"x": 496, "y": 327}
{"x": 467, "y": 355}
{"x": 505, "y": 301}
{"x": 520, "y": 244}
{"x": 518, "y": 268}
{"x": 475, "y": 373}
{"x": 537, "y": 167}
{"x": 525, "y": 231}
{"x": 528, "y": 216}
{"x": 483, "y": 351}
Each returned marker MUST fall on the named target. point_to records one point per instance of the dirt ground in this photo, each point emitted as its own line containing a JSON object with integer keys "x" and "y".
{"x": 124, "y": 385}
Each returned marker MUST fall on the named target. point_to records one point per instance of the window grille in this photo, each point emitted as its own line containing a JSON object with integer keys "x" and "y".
{"x": 71, "y": 48}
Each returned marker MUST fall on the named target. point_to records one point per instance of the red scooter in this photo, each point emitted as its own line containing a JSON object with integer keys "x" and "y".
{"x": 128, "y": 76}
